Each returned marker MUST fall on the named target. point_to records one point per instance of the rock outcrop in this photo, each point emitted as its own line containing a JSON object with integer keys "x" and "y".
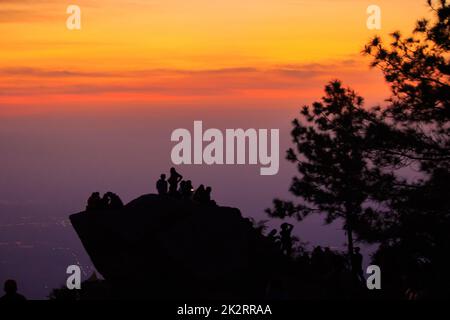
{"x": 163, "y": 247}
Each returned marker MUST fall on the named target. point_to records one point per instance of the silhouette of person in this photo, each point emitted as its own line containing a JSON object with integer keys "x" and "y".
{"x": 105, "y": 202}
{"x": 94, "y": 202}
{"x": 182, "y": 188}
{"x": 188, "y": 189}
{"x": 173, "y": 180}
{"x": 199, "y": 193}
{"x": 286, "y": 238}
{"x": 357, "y": 261}
{"x": 114, "y": 201}
{"x": 11, "y": 294}
{"x": 207, "y": 195}
{"x": 161, "y": 184}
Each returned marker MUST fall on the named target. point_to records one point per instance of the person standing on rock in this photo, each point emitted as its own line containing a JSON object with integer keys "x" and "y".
{"x": 173, "y": 180}
{"x": 161, "y": 185}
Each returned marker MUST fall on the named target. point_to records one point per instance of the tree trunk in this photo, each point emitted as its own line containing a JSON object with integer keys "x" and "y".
{"x": 350, "y": 241}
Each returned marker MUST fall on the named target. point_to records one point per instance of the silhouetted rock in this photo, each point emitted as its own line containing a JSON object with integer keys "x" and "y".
{"x": 165, "y": 247}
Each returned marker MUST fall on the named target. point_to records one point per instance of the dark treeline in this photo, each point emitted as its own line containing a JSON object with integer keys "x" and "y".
{"x": 355, "y": 162}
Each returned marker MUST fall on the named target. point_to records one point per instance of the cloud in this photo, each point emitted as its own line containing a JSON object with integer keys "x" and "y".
{"x": 288, "y": 70}
{"x": 26, "y": 81}
{"x": 33, "y": 72}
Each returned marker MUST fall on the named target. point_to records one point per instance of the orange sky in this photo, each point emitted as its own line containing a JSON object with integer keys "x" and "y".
{"x": 154, "y": 52}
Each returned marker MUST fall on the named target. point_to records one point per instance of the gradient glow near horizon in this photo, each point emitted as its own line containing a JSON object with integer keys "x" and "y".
{"x": 136, "y": 53}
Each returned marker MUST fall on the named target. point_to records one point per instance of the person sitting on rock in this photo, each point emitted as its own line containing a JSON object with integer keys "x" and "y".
{"x": 186, "y": 189}
{"x": 94, "y": 202}
{"x": 207, "y": 195}
{"x": 182, "y": 187}
{"x": 105, "y": 202}
{"x": 114, "y": 201}
{"x": 203, "y": 195}
{"x": 189, "y": 189}
{"x": 11, "y": 294}
{"x": 199, "y": 193}
{"x": 161, "y": 185}
{"x": 173, "y": 180}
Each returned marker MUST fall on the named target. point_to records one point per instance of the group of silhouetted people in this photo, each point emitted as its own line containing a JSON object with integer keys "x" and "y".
{"x": 177, "y": 187}
{"x": 170, "y": 186}
{"x": 109, "y": 200}
{"x": 321, "y": 260}
{"x": 174, "y": 186}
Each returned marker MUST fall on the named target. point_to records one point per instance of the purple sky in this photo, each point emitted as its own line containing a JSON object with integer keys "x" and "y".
{"x": 51, "y": 164}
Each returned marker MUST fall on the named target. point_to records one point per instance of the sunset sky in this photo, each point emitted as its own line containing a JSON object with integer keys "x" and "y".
{"x": 149, "y": 53}
{"x": 93, "y": 109}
